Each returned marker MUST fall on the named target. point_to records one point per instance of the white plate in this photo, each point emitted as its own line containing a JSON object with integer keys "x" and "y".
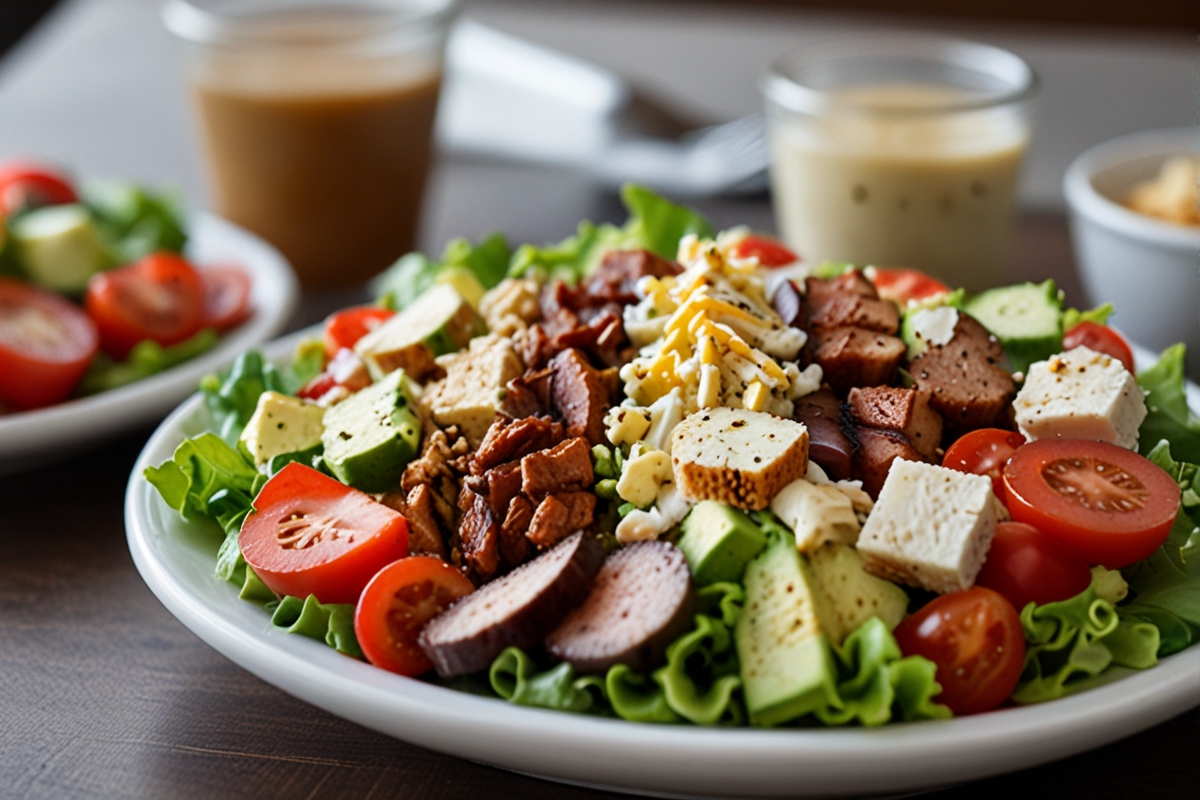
{"x": 32, "y": 438}
{"x": 176, "y": 560}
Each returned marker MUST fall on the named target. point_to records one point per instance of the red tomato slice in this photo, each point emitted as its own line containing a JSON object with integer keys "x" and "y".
{"x": 317, "y": 387}
{"x": 901, "y": 285}
{"x": 160, "y": 297}
{"x": 769, "y": 252}
{"x": 395, "y": 606}
{"x": 1100, "y": 338}
{"x": 345, "y": 328}
{"x": 1106, "y": 503}
{"x": 984, "y": 452}
{"x": 310, "y": 534}
{"x": 975, "y": 639}
{"x": 226, "y": 296}
{"x": 24, "y": 185}
{"x": 1028, "y": 566}
{"x": 46, "y": 344}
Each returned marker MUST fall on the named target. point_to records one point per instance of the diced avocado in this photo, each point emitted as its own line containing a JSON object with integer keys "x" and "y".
{"x": 465, "y": 282}
{"x": 59, "y": 247}
{"x": 281, "y": 424}
{"x": 440, "y": 321}
{"x": 718, "y": 541}
{"x": 1026, "y": 318}
{"x": 786, "y": 661}
{"x": 371, "y": 436}
{"x": 852, "y": 594}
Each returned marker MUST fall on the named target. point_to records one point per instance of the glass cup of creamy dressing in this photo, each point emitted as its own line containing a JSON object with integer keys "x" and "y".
{"x": 316, "y": 118}
{"x": 900, "y": 151}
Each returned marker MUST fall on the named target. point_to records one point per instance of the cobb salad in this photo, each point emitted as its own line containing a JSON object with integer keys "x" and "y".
{"x": 94, "y": 291}
{"x": 673, "y": 475}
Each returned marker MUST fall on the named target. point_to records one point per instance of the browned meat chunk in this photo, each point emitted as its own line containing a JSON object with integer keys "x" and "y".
{"x": 877, "y": 449}
{"x": 559, "y": 515}
{"x": 580, "y": 396}
{"x": 564, "y": 468}
{"x": 503, "y": 484}
{"x": 858, "y": 357}
{"x": 510, "y": 440}
{"x": 528, "y": 395}
{"x": 904, "y": 410}
{"x": 424, "y": 533}
{"x": 964, "y": 381}
{"x": 817, "y": 290}
{"x": 619, "y": 272}
{"x": 846, "y": 308}
{"x": 479, "y": 534}
{"x": 828, "y": 446}
{"x": 514, "y": 544}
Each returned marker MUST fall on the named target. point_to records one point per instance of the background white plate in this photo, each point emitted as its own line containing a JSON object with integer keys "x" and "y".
{"x": 176, "y": 560}
{"x": 31, "y": 438}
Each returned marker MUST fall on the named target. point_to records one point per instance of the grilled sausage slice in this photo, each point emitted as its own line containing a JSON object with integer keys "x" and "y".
{"x": 518, "y": 609}
{"x": 821, "y": 413}
{"x": 642, "y": 601}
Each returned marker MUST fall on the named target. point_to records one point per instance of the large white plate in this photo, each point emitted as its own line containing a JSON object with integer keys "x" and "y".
{"x": 32, "y": 438}
{"x": 176, "y": 560}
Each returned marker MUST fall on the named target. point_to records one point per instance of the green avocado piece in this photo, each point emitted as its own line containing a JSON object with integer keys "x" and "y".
{"x": 59, "y": 247}
{"x": 852, "y": 594}
{"x": 786, "y": 662}
{"x": 718, "y": 541}
{"x": 372, "y": 435}
{"x": 1026, "y": 318}
{"x": 281, "y": 424}
{"x": 440, "y": 321}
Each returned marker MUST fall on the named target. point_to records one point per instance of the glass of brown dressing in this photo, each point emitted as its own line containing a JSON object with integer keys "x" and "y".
{"x": 316, "y": 118}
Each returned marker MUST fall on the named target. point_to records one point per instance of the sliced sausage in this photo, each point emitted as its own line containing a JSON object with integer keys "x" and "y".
{"x": 877, "y": 449}
{"x": 904, "y": 410}
{"x": 641, "y": 601}
{"x": 858, "y": 357}
{"x": 964, "y": 381}
{"x": 828, "y": 446}
{"x": 517, "y": 610}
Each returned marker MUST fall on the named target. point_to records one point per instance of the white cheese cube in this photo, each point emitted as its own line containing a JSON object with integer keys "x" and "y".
{"x": 281, "y": 424}
{"x": 931, "y": 527}
{"x": 1081, "y": 394}
{"x": 470, "y": 394}
{"x": 818, "y": 515}
{"x": 626, "y": 424}
{"x": 642, "y": 475}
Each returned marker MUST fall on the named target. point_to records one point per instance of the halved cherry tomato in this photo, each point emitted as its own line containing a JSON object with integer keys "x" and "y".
{"x": 769, "y": 252}
{"x": 345, "y": 328}
{"x": 317, "y": 387}
{"x": 1106, "y": 503}
{"x": 24, "y": 185}
{"x": 1028, "y": 566}
{"x": 395, "y": 606}
{"x": 226, "y": 296}
{"x": 984, "y": 452}
{"x": 901, "y": 285}
{"x": 310, "y": 534}
{"x": 1100, "y": 338}
{"x": 160, "y": 297}
{"x": 975, "y": 639}
{"x": 46, "y": 344}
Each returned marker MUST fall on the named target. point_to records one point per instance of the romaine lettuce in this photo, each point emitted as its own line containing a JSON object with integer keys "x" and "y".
{"x": 1168, "y": 414}
{"x": 404, "y": 281}
{"x": 145, "y": 359}
{"x": 232, "y": 396}
{"x": 135, "y": 222}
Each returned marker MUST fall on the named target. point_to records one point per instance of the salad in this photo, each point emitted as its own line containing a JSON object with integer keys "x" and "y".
{"x": 673, "y": 475}
{"x": 94, "y": 291}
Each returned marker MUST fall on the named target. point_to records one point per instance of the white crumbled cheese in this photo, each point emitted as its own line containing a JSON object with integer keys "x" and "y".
{"x": 669, "y": 510}
{"x": 665, "y": 413}
{"x": 817, "y": 515}
{"x": 1081, "y": 394}
{"x": 932, "y": 326}
{"x": 511, "y": 306}
{"x": 643, "y": 474}
{"x": 626, "y": 424}
{"x": 709, "y": 393}
{"x": 804, "y": 381}
{"x": 931, "y": 527}
{"x": 853, "y": 490}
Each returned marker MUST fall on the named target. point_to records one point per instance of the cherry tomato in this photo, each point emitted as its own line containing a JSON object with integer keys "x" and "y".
{"x": 310, "y": 534}
{"x": 769, "y": 252}
{"x": 226, "y": 296}
{"x": 1100, "y": 338}
{"x": 975, "y": 639}
{"x": 46, "y": 344}
{"x": 345, "y": 328}
{"x": 395, "y": 607}
{"x": 1028, "y": 566}
{"x": 901, "y": 285}
{"x": 984, "y": 452}
{"x": 1106, "y": 503}
{"x": 24, "y": 185}
{"x": 317, "y": 387}
{"x": 160, "y": 297}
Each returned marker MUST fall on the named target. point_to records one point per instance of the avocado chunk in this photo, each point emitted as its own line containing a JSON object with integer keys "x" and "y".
{"x": 59, "y": 247}
{"x": 281, "y": 424}
{"x": 1026, "y": 318}
{"x": 718, "y": 541}
{"x": 370, "y": 436}
{"x": 786, "y": 661}
{"x": 852, "y": 594}
{"x": 438, "y": 322}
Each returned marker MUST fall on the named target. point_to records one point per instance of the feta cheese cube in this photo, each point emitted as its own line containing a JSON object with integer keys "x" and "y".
{"x": 470, "y": 394}
{"x": 644, "y": 472}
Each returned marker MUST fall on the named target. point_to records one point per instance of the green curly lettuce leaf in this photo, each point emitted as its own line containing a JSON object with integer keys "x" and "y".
{"x": 134, "y": 221}
{"x": 1168, "y": 416}
{"x": 403, "y": 282}
{"x": 1098, "y": 315}
{"x": 146, "y": 358}
{"x": 515, "y": 677}
{"x": 232, "y": 396}
{"x": 331, "y": 623}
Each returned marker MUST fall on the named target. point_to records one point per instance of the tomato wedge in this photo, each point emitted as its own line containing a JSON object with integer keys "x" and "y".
{"x": 226, "y": 296}
{"x": 24, "y": 185}
{"x": 975, "y": 639}
{"x": 1100, "y": 338}
{"x": 310, "y": 534}
{"x": 1106, "y": 503}
{"x": 395, "y": 606}
{"x": 901, "y": 285}
{"x": 46, "y": 344}
{"x": 769, "y": 252}
{"x": 345, "y": 328}
{"x": 1028, "y": 566}
{"x": 160, "y": 297}
{"x": 984, "y": 452}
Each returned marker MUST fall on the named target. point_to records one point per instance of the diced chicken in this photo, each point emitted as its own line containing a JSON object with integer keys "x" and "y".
{"x": 817, "y": 515}
{"x": 559, "y": 515}
{"x": 470, "y": 394}
{"x": 580, "y": 395}
{"x": 843, "y": 309}
{"x": 566, "y": 467}
{"x": 511, "y": 440}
